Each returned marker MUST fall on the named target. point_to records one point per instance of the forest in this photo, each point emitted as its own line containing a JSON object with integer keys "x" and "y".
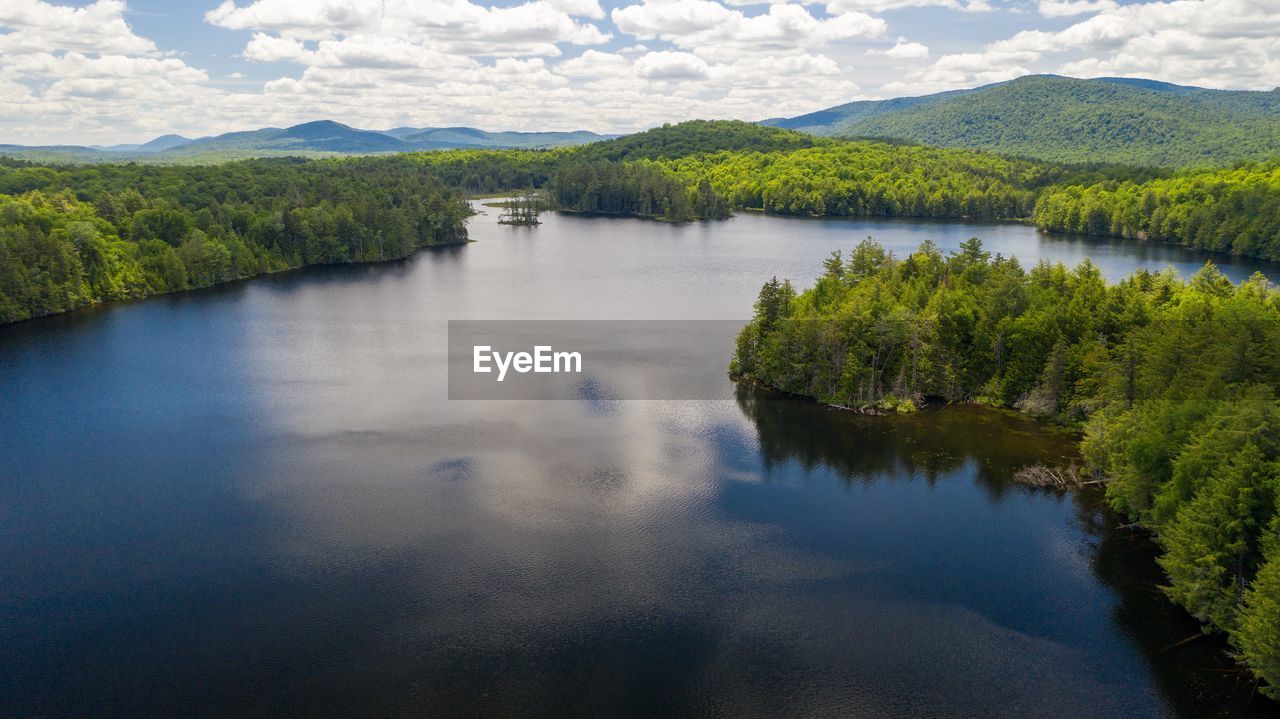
{"x": 1072, "y": 120}
{"x": 1230, "y": 210}
{"x": 1172, "y": 381}
{"x": 869, "y": 178}
{"x": 1234, "y": 210}
{"x": 72, "y": 236}
{"x": 634, "y": 189}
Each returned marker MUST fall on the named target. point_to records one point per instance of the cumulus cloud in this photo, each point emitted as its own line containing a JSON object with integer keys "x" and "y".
{"x": 1214, "y": 43}
{"x": 1210, "y": 43}
{"x": 903, "y": 50}
{"x": 82, "y": 74}
{"x": 1066, "y": 8}
{"x": 711, "y": 29}
{"x": 671, "y": 66}
{"x": 83, "y": 71}
{"x": 581, "y": 8}
{"x": 269, "y": 48}
{"x": 301, "y": 17}
{"x": 531, "y": 28}
{"x": 840, "y": 6}
{"x": 37, "y": 26}
{"x": 696, "y": 58}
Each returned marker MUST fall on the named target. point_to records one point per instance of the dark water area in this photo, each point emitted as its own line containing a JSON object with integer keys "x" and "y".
{"x": 257, "y": 500}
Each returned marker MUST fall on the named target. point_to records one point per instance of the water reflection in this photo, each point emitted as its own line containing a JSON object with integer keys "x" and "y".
{"x": 925, "y": 445}
{"x": 1197, "y": 678}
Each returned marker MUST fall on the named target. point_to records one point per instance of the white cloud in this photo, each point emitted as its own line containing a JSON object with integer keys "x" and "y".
{"x": 531, "y": 28}
{"x": 713, "y": 30}
{"x": 303, "y": 17}
{"x": 81, "y": 74}
{"x": 580, "y": 8}
{"x": 374, "y": 62}
{"x": 1210, "y": 43}
{"x": 1214, "y": 43}
{"x": 671, "y": 66}
{"x": 269, "y": 48}
{"x": 840, "y": 6}
{"x": 37, "y": 26}
{"x": 903, "y": 50}
{"x": 594, "y": 63}
{"x": 1066, "y": 8}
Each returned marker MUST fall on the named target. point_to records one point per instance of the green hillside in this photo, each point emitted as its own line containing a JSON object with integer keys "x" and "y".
{"x": 697, "y": 137}
{"x": 1117, "y": 120}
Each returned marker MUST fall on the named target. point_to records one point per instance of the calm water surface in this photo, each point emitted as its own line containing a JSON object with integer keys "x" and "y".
{"x": 256, "y": 501}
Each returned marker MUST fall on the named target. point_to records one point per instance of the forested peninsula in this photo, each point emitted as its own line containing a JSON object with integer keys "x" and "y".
{"x": 72, "y": 235}
{"x": 1174, "y": 383}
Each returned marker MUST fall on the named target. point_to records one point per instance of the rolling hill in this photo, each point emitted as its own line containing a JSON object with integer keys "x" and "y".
{"x": 323, "y": 137}
{"x": 697, "y": 136}
{"x": 164, "y": 142}
{"x": 1121, "y": 120}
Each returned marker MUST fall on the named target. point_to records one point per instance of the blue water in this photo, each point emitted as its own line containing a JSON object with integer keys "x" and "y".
{"x": 257, "y": 501}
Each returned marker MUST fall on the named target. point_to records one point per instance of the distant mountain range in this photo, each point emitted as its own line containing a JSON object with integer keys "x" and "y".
{"x": 1115, "y": 120}
{"x": 322, "y": 137}
{"x": 1122, "y": 120}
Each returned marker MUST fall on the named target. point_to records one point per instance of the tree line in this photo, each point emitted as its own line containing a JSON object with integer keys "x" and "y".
{"x": 1174, "y": 382}
{"x": 71, "y": 236}
{"x": 772, "y": 170}
{"x": 640, "y": 189}
{"x": 869, "y": 178}
{"x": 1235, "y": 210}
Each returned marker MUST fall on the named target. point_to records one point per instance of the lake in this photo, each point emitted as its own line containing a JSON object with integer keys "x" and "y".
{"x": 256, "y": 500}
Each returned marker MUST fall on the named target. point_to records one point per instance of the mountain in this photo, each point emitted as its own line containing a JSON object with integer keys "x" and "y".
{"x": 164, "y": 142}
{"x": 697, "y": 136}
{"x": 1122, "y": 120}
{"x": 57, "y": 153}
{"x": 826, "y": 122}
{"x": 480, "y": 138}
{"x": 323, "y": 137}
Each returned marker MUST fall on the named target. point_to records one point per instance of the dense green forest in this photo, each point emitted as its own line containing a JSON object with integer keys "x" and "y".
{"x": 1063, "y": 119}
{"x": 491, "y": 171}
{"x": 71, "y": 236}
{"x": 634, "y": 189}
{"x": 697, "y": 137}
{"x": 774, "y": 170}
{"x": 1174, "y": 382}
{"x": 869, "y": 178}
{"x": 762, "y": 168}
{"x": 1234, "y": 210}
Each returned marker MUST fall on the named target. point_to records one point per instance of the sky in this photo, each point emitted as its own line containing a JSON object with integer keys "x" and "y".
{"x": 112, "y": 71}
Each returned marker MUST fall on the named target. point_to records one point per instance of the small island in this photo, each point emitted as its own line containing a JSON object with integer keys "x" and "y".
{"x": 523, "y": 209}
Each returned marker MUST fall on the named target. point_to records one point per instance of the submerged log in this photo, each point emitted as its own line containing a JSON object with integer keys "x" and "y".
{"x": 1042, "y": 475}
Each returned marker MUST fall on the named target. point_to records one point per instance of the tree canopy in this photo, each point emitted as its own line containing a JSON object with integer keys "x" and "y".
{"x": 1174, "y": 382}
{"x": 73, "y": 236}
